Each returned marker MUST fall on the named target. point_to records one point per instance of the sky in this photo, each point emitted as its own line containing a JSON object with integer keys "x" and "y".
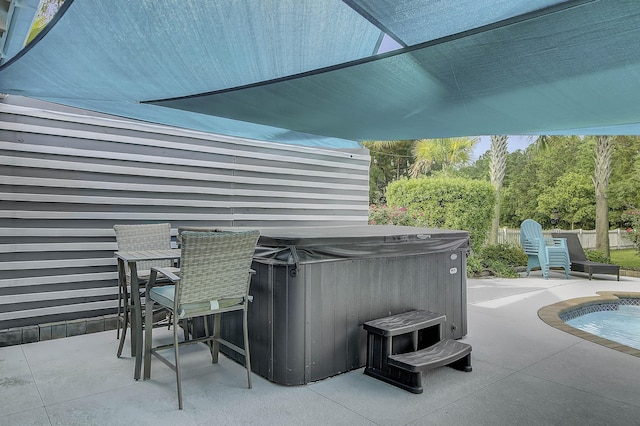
{"x": 514, "y": 143}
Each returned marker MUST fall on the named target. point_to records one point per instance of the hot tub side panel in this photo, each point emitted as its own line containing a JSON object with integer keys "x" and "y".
{"x": 277, "y": 326}
{"x": 307, "y": 325}
{"x": 342, "y": 295}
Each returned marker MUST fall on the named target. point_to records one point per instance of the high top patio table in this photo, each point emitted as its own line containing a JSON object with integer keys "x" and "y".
{"x": 132, "y": 258}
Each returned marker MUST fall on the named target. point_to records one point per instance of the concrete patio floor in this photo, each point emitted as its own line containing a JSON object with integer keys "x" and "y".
{"x": 525, "y": 372}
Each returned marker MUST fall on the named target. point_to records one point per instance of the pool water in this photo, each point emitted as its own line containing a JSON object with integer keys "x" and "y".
{"x": 621, "y": 325}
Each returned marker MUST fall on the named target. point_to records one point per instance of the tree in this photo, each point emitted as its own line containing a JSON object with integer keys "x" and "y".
{"x": 601, "y": 176}
{"x": 624, "y": 183}
{"x": 572, "y": 196}
{"x": 441, "y": 154}
{"x": 534, "y": 178}
{"x": 478, "y": 170}
{"x": 497, "y": 169}
{"x": 537, "y": 172}
{"x": 541, "y": 143}
{"x": 513, "y": 183}
{"x": 390, "y": 160}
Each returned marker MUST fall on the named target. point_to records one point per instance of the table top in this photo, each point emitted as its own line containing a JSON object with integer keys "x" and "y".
{"x": 136, "y": 256}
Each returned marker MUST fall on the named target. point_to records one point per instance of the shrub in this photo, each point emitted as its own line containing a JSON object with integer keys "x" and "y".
{"x": 475, "y": 266}
{"x": 510, "y": 254}
{"x": 632, "y": 217}
{"x": 596, "y": 256}
{"x": 500, "y": 269}
{"x": 384, "y": 215}
{"x": 445, "y": 202}
{"x": 498, "y": 259}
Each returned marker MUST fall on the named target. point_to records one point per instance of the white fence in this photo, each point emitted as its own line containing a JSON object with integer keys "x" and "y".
{"x": 617, "y": 237}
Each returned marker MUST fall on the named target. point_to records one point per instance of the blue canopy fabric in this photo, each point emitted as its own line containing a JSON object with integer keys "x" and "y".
{"x": 307, "y": 72}
{"x": 107, "y": 56}
{"x": 411, "y": 22}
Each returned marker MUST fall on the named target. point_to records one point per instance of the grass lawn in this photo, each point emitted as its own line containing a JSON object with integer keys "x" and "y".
{"x": 627, "y": 259}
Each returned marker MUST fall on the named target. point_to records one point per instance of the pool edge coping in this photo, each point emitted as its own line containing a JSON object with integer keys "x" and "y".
{"x": 551, "y": 315}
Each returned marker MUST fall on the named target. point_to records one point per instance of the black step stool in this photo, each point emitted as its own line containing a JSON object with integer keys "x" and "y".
{"x": 401, "y": 347}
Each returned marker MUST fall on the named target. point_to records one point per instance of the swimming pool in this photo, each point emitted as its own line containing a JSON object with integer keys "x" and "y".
{"x": 611, "y": 319}
{"x": 621, "y": 324}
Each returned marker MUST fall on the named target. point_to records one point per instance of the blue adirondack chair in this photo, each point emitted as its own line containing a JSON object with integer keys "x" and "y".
{"x": 543, "y": 252}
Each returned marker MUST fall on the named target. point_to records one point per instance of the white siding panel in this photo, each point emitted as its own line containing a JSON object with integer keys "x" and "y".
{"x": 163, "y": 173}
{"x": 36, "y": 315}
{"x": 290, "y": 156}
{"x": 28, "y": 265}
{"x": 78, "y": 199}
{"x": 79, "y": 153}
{"x": 57, "y": 279}
{"x": 56, "y": 232}
{"x": 173, "y": 189}
{"x": 57, "y": 247}
{"x": 58, "y": 295}
{"x": 129, "y": 215}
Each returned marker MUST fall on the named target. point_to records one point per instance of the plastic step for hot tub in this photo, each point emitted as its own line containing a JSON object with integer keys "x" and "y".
{"x": 404, "y": 323}
{"x": 403, "y": 368}
{"x": 411, "y": 365}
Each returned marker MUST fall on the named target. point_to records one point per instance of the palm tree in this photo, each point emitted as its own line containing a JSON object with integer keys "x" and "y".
{"x": 445, "y": 153}
{"x": 497, "y": 168}
{"x": 392, "y": 159}
{"x": 602, "y": 172}
{"x": 541, "y": 142}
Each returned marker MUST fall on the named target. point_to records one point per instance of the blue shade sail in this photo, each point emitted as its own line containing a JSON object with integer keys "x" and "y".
{"x": 206, "y": 123}
{"x": 305, "y": 71}
{"x": 136, "y": 50}
{"x": 113, "y": 54}
{"x": 575, "y": 68}
{"x": 412, "y": 22}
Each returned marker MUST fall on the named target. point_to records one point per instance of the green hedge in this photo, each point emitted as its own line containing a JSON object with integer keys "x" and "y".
{"x": 451, "y": 203}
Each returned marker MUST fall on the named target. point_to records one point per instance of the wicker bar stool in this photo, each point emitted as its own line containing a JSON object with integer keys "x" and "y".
{"x": 215, "y": 274}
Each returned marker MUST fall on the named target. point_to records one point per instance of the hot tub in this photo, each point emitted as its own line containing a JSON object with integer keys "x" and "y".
{"x": 315, "y": 286}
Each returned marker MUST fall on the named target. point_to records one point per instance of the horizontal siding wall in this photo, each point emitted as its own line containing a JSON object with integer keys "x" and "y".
{"x": 66, "y": 178}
